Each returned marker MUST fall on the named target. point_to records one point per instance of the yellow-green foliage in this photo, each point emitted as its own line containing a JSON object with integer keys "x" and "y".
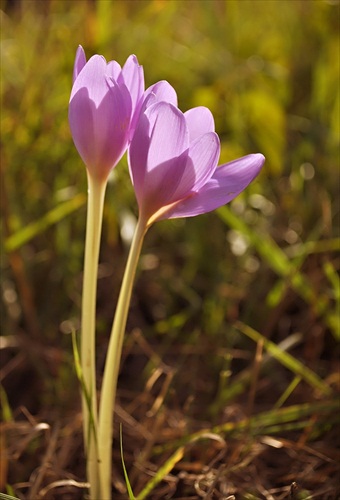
{"x": 269, "y": 71}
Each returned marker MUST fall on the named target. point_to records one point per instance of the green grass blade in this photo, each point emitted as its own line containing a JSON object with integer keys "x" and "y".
{"x": 288, "y": 391}
{"x": 3, "y": 496}
{"x": 261, "y": 423}
{"x": 333, "y": 317}
{"x": 128, "y": 485}
{"x": 286, "y": 359}
{"x": 6, "y": 409}
{"x": 310, "y": 247}
{"x": 243, "y": 379}
{"x": 266, "y": 247}
{"x": 161, "y": 473}
{"x": 294, "y": 412}
{"x": 58, "y": 213}
{"x": 278, "y": 261}
{"x": 79, "y": 373}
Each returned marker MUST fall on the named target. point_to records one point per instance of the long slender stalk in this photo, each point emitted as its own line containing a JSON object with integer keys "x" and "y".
{"x": 96, "y": 193}
{"x": 111, "y": 371}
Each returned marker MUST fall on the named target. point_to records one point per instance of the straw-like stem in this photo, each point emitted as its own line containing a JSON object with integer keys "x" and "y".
{"x": 96, "y": 193}
{"x": 111, "y": 371}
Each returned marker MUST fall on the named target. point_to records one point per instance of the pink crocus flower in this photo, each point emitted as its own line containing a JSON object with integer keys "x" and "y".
{"x": 104, "y": 107}
{"x": 173, "y": 161}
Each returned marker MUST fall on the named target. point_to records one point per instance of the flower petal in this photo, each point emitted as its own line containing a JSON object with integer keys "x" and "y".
{"x": 203, "y": 155}
{"x": 169, "y": 134}
{"x": 160, "y": 91}
{"x": 92, "y": 77}
{"x": 79, "y": 62}
{"x": 158, "y": 155}
{"x": 138, "y": 155}
{"x": 113, "y": 70}
{"x": 227, "y": 182}
{"x": 133, "y": 77}
{"x": 99, "y": 115}
{"x": 199, "y": 121}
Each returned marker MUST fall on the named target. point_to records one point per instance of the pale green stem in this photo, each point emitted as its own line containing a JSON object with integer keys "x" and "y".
{"x": 96, "y": 193}
{"x": 111, "y": 371}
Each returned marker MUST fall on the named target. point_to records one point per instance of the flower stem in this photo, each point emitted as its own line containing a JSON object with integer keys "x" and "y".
{"x": 111, "y": 371}
{"x": 96, "y": 193}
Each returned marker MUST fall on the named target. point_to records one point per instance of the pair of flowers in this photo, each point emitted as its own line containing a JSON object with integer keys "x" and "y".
{"x": 173, "y": 160}
{"x": 172, "y": 155}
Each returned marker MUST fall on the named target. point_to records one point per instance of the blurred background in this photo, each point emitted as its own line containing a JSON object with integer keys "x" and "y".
{"x": 234, "y": 316}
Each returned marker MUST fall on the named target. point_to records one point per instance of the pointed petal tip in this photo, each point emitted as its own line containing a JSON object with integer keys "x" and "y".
{"x": 227, "y": 182}
{"x": 135, "y": 59}
{"x": 259, "y": 158}
{"x": 160, "y": 91}
{"x": 79, "y": 62}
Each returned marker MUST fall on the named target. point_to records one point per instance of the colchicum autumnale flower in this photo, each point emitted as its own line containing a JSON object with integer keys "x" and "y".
{"x": 173, "y": 159}
{"x": 173, "y": 164}
{"x": 104, "y": 106}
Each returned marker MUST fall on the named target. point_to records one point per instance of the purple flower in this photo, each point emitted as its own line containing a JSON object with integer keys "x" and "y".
{"x": 173, "y": 162}
{"x": 104, "y": 107}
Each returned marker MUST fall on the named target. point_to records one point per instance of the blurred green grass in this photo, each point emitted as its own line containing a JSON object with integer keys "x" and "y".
{"x": 269, "y": 71}
{"x": 260, "y": 66}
